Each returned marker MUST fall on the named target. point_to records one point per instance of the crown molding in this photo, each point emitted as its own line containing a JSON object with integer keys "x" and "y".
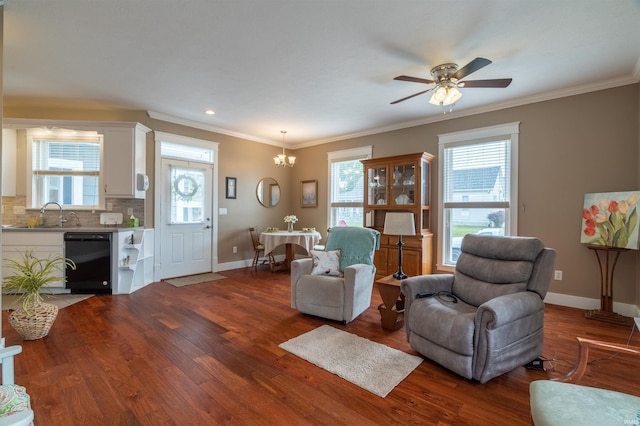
{"x": 202, "y": 126}
{"x": 458, "y": 113}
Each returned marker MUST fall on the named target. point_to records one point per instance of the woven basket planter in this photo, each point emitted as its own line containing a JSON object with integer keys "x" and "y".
{"x": 35, "y": 325}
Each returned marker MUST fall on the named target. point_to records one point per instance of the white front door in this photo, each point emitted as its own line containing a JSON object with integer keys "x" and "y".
{"x": 185, "y": 218}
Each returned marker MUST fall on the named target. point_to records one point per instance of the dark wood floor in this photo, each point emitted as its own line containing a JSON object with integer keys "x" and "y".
{"x": 208, "y": 354}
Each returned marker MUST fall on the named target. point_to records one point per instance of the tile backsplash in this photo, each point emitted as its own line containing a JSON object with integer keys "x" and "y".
{"x": 15, "y": 213}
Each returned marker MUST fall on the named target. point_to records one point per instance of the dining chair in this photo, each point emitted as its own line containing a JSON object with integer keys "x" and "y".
{"x": 258, "y": 249}
{"x": 322, "y": 247}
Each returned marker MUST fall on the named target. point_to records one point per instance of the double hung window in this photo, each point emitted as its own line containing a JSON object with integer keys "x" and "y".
{"x": 346, "y": 186}
{"x": 478, "y": 187}
{"x": 65, "y": 168}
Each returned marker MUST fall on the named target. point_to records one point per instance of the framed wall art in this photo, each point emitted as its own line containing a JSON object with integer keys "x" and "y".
{"x": 309, "y": 193}
{"x": 610, "y": 219}
{"x": 231, "y": 187}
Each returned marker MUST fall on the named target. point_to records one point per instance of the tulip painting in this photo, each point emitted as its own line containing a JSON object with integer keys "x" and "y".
{"x": 611, "y": 219}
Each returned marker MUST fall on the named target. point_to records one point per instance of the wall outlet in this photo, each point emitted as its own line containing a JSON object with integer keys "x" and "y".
{"x": 19, "y": 210}
{"x": 235, "y": 249}
{"x": 557, "y": 275}
{"x": 129, "y": 211}
{"x": 109, "y": 206}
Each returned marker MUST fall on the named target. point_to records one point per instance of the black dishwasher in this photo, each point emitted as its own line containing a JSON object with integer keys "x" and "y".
{"x": 91, "y": 252}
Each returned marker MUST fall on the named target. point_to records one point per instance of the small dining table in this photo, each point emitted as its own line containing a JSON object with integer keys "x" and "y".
{"x": 304, "y": 239}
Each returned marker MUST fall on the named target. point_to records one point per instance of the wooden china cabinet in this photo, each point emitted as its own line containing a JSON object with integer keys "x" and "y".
{"x": 400, "y": 184}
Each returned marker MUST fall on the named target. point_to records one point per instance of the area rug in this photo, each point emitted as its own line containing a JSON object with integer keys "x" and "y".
{"x": 370, "y": 365}
{"x": 10, "y": 302}
{"x": 194, "y": 279}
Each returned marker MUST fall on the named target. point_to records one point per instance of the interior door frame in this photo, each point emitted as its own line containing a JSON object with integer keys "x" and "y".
{"x": 160, "y": 137}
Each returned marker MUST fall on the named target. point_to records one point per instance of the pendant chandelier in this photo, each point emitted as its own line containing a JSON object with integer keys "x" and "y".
{"x": 281, "y": 159}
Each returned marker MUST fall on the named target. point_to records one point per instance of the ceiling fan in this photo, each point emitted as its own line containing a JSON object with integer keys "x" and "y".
{"x": 447, "y": 79}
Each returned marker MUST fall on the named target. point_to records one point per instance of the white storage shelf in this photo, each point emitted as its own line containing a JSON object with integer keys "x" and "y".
{"x": 134, "y": 260}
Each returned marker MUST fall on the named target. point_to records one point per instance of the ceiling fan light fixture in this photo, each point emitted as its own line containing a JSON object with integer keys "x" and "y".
{"x": 447, "y": 79}
{"x": 438, "y": 96}
{"x": 453, "y": 94}
{"x": 445, "y": 95}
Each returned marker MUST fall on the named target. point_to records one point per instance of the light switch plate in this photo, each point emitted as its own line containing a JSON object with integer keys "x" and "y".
{"x": 222, "y": 211}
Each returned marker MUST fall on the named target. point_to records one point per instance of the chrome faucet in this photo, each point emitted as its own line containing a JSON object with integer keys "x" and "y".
{"x": 61, "y": 218}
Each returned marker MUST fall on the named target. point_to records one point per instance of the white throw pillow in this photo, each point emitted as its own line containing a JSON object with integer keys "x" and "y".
{"x": 326, "y": 262}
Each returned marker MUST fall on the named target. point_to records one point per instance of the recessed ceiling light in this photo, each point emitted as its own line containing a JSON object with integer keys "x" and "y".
{"x": 209, "y": 111}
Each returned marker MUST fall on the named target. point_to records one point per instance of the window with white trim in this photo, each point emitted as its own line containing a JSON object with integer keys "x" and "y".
{"x": 346, "y": 186}
{"x": 65, "y": 168}
{"x": 477, "y": 188}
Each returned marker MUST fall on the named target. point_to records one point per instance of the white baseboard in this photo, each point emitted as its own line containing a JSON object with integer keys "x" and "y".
{"x": 625, "y": 309}
{"x": 245, "y": 263}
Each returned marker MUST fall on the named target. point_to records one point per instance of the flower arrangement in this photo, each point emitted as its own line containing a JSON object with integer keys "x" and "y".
{"x": 290, "y": 219}
{"x": 611, "y": 219}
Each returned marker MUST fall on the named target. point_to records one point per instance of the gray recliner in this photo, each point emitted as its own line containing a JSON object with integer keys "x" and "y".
{"x": 487, "y": 318}
{"x": 338, "y": 298}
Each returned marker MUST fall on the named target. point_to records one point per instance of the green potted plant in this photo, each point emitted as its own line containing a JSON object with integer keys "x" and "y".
{"x": 34, "y": 318}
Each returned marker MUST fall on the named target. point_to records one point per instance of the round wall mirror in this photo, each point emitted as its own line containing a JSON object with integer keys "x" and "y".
{"x": 268, "y": 192}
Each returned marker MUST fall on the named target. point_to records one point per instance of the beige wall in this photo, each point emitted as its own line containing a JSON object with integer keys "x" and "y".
{"x": 568, "y": 147}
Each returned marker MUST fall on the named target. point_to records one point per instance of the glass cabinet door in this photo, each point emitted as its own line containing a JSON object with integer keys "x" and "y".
{"x": 403, "y": 184}
{"x": 377, "y": 181}
{"x": 425, "y": 196}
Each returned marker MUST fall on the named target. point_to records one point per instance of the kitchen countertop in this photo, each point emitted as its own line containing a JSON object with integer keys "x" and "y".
{"x": 10, "y": 228}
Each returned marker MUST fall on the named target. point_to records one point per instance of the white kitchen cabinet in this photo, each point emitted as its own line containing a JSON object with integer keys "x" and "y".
{"x": 42, "y": 244}
{"x": 124, "y": 158}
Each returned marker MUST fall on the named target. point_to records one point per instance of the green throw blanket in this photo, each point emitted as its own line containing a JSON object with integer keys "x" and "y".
{"x": 357, "y": 244}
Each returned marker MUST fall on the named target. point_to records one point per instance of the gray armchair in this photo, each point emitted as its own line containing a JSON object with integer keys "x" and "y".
{"x": 340, "y": 298}
{"x": 487, "y": 318}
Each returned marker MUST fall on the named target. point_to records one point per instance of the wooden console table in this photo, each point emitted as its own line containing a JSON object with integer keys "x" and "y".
{"x": 607, "y": 260}
{"x": 392, "y": 306}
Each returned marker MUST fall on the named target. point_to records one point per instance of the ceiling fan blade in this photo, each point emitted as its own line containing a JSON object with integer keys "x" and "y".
{"x": 409, "y": 97}
{"x": 498, "y": 82}
{"x": 471, "y": 67}
{"x": 414, "y": 79}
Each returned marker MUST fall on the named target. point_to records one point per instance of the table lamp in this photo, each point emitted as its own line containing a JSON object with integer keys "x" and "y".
{"x": 399, "y": 224}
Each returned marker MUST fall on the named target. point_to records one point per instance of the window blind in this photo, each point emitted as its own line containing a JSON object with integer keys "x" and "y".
{"x": 477, "y": 174}
{"x": 67, "y": 156}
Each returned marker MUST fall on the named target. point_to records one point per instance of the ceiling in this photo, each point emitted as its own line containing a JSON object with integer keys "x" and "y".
{"x": 320, "y": 69}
